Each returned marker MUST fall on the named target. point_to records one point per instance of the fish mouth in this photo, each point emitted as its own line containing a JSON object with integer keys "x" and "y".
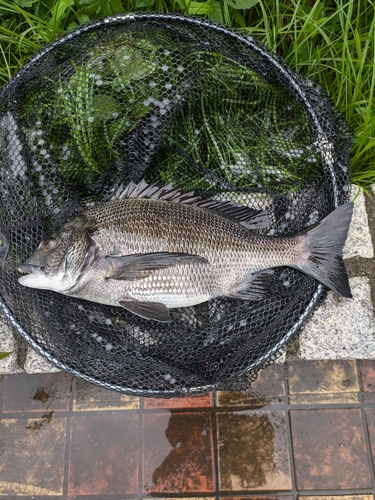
{"x": 32, "y": 275}
{"x": 28, "y": 268}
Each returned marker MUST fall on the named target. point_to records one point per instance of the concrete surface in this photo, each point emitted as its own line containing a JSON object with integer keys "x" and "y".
{"x": 341, "y": 328}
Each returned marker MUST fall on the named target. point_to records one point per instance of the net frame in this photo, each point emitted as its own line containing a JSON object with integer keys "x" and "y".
{"x": 288, "y": 80}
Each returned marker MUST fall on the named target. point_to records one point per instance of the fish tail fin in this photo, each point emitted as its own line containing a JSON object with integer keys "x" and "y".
{"x": 324, "y": 243}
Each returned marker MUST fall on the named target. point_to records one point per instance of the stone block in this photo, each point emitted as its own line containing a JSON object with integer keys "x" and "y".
{"x": 358, "y": 242}
{"x": 8, "y": 344}
{"x": 341, "y": 328}
{"x": 35, "y": 363}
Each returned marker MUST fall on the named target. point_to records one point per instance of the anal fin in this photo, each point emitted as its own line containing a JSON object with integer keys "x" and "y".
{"x": 256, "y": 288}
{"x": 148, "y": 310}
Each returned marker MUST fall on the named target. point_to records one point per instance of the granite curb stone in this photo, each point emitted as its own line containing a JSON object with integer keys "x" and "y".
{"x": 358, "y": 242}
{"x": 341, "y": 328}
{"x": 35, "y": 363}
{"x": 8, "y": 344}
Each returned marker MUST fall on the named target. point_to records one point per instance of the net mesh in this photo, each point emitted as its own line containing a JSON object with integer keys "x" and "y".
{"x": 175, "y": 100}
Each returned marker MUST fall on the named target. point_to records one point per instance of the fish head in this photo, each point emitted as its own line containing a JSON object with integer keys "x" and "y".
{"x": 59, "y": 260}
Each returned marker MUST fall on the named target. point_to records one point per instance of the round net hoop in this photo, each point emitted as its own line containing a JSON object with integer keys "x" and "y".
{"x": 104, "y": 105}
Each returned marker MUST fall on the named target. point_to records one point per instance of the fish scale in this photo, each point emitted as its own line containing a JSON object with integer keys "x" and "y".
{"x": 224, "y": 243}
{"x": 197, "y": 231}
{"x": 154, "y": 248}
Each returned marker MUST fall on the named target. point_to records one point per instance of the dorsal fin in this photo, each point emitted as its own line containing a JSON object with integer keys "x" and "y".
{"x": 248, "y": 217}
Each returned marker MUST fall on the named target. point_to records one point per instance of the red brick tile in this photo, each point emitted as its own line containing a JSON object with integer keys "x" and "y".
{"x": 267, "y": 389}
{"x": 253, "y": 451}
{"x": 370, "y": 418}
{"x": 367, "y": 367}
{"x": 178, "y": 455}
{"x": 265, "y": 497}
{"x": 337, "y": 496}
{"x": 204, "y": 401}
{"x": 329, "y": 449}
{"x": 104, "y": 454}
{"x": 87, "y": 396}
{"x": 369, "y": 397}
{"x": 323, "y": 382}
{"x": 39, "y": 392}
{"x": 32, "y": 455}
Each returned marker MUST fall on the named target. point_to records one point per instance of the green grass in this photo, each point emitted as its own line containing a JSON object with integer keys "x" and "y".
{"x": 331, "y": 41}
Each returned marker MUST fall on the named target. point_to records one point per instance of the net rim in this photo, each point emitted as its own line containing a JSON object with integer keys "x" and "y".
{"x": 288, "y": 76}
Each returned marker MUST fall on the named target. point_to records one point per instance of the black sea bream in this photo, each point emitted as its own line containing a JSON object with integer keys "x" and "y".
{"x": 155, "y": 248}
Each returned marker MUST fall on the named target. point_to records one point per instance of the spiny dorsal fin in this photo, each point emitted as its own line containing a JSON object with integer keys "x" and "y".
{"x": 250, "y": 218}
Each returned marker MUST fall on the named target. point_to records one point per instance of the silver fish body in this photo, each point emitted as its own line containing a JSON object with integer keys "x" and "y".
{"x": 153, "y": 249}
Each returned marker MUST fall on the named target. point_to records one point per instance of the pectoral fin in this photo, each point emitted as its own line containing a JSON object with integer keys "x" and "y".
{"x": 148, "y": 310}
{"x": 256, "y": 288}
{"x": 139, "y": 266}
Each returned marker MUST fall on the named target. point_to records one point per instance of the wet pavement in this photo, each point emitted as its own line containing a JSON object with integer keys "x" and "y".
{"x": 306, "y": 428}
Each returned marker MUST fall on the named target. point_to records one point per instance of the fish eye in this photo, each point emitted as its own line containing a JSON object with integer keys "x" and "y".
{"x": 47, "y": 245}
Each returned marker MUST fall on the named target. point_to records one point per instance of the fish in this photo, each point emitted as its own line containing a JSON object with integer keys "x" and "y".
{"x": 153, "y": 248}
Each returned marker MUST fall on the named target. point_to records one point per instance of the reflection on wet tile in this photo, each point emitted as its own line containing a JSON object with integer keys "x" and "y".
{"x": 178, "y": 454}
{"x": 370, "y": 419}
{"x": 330, "y": 449}
{"x": 367, "y": 368}
{"x": 38, "y": 392}
{"x": 323, "y": 381}
{"x": 269, "y": 388}
{"x": 204, "y": 401}
{"x": 253, "y": 451}
{"x": 92, "y": 397}
{"x": 32, "y": 456}
{"x": 103, "y": 454}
